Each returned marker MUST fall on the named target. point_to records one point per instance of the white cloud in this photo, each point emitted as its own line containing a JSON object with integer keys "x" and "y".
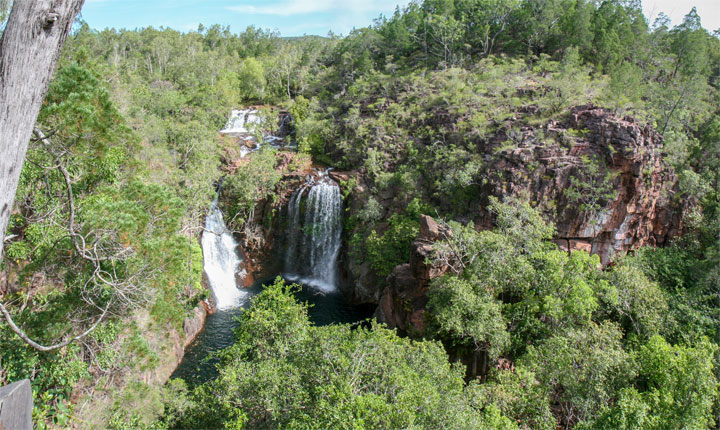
{"x": 299, "y": 7}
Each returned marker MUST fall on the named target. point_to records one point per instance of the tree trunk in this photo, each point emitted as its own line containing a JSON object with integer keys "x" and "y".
{"x": 29, "y": 50}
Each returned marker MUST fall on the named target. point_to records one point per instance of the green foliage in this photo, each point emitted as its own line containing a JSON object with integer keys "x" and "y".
{"x": 5, "y": 6}
{"x": 107, "y": 211}
{"x": 54, "y": 376}
{"x": 545, "y": 289}
{"x": 466, "y": 315}
{"x": 422, "y": 104}
{"x": 310, "y": 128}
{"x": 680, "y": 398}
{"x": 517, "y": 394}
{"x": 591, "y": 188}
{"x": 253, "y": 181}
{"x": 392, "y": 247}
{"x": 584, "y": 368}
{"x": 137, "y": 406}
{"x": 685, "y": 279}
{"x": 285, "y": 372}
{"x": 252, "y": 79}
{"x": 636, "y": 302}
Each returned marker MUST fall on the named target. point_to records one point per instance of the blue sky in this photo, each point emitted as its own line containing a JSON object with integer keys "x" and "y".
{"x": 298, "y": 17}
{"x": 290, "y": 17}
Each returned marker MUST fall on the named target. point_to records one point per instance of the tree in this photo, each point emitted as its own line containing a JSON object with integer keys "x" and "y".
{"x": 252, "y": 79}
{"x": 469, "y": 318}
{"x": 445, "y": 35}
{"x": 679, "y": 390}
{"x": 284, "y": 372}
{"x": 85, "y": 151}
{"x": 29, "y": 50}
{"x": 636, "y": 302}
{"x": 584, "y": 368}
{"x": 485, "y": 21}
{"x": 591, "y": 188}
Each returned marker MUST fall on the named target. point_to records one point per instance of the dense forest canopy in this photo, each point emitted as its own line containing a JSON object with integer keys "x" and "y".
{"x": 422, "y": 105}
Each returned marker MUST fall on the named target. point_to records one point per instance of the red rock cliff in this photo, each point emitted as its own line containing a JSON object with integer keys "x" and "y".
{"x": 631, "y": 190}
{"x": 636, "y": 210}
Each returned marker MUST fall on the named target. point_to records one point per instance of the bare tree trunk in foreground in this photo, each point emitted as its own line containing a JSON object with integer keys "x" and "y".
{"x": 29, "y": 50}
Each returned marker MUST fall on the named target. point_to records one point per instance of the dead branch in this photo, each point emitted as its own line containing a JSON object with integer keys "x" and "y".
{"x": 43, "y": 348}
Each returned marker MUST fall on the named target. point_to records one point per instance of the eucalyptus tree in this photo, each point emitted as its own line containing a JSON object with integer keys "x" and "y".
{"x": 29, "y": 50}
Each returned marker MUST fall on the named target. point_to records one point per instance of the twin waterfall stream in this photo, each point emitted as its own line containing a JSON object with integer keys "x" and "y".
{"x": 312, "y": 245}
{"x": 314, "y": 238}
{"x": 309, "y": 255}
{"x": 221, "y": 261}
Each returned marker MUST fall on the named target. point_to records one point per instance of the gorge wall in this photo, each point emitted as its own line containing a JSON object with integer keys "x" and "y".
{"x": 599, "y": 178}
{"x": 628, "y": 198}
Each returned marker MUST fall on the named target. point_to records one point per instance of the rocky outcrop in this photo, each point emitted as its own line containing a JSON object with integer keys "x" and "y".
{"x": 403, "y": 301}
{"x": 194, "y": 323}
{"x": 600, "y": 178}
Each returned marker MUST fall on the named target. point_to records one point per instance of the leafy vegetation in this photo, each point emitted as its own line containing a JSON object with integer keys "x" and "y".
{"x": 422, "y": 105}
{"x": 285, "y": 372}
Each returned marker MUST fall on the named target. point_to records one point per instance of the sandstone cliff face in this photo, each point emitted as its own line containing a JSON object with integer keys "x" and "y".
{"x": 544, "y": 163}
{"x": 630, "y": 191}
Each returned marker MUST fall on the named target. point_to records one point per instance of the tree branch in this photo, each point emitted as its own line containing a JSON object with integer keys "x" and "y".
{"x": 43, "y": 348}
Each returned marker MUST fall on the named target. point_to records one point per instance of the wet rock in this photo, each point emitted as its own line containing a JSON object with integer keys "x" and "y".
{"x": 340, "y": 177}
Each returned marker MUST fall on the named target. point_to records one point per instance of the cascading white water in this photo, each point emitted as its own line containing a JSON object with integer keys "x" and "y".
{"x": 242, "y": 122}
{"x": 220, "y": 261}
{"x": 314, "y": 236}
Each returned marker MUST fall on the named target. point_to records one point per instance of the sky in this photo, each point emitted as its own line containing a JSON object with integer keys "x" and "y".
{"x": 298, "y": 17}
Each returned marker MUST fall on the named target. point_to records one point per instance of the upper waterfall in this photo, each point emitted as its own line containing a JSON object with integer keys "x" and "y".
{"x": 221, "y": 261}
{"x": 242, "y": 122}
{"x": 250, "y": 123}
{"x": 314, "y": 233}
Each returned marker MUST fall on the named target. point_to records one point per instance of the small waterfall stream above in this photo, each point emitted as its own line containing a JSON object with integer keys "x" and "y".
{"x": 314, "y": 233}
{"x": 221, "y": 261}
{"x": 242, "y": 122}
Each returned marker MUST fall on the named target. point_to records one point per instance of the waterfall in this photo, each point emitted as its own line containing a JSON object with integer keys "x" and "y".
{"x": 314, "y": 236}
{"x": 220, "y": 260}
{"x": 242, "y": 122}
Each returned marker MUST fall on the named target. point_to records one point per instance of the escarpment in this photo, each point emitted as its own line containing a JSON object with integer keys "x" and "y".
{"x": 599, "y": 178}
